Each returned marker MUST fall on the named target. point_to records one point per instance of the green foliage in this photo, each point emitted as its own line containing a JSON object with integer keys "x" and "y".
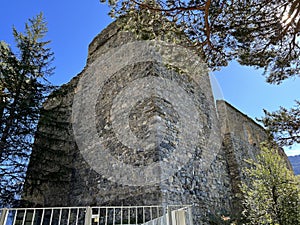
{"x": 261, "y": 33}
{"x": 23, "y": 87}
{"x": 284, "y": 124}
{"x": 271, "y": 193}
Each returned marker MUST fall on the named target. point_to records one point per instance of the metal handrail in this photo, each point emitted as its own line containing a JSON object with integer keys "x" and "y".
{"x": 98, "y": 215}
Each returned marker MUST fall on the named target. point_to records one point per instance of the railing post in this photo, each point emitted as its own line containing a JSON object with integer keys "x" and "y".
{"x": 88, "y": 216}
{"x": 3, "y": 216}
{"x": 169, "y": 215}
{"x": 190, "y": 215}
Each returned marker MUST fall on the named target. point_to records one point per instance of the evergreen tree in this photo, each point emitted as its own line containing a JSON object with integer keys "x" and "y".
{"x": 260, "y": 33}
{"x": 284, "y": 124}
{"x": 23, "y": 87}
{"x": 271, "y": 193}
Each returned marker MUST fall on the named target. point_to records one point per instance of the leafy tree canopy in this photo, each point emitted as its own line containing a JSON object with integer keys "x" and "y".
{"x": 259, "y": 33}
{"x": 271, "y": 192}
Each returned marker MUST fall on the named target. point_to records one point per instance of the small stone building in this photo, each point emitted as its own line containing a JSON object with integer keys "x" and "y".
{"x": 134, "y": 129}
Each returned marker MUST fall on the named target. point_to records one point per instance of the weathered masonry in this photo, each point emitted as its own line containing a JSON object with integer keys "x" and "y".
{"x": 134, "y": 129}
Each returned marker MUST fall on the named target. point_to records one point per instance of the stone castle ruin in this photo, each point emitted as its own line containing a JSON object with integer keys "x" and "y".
{"x": 134, "y": 129}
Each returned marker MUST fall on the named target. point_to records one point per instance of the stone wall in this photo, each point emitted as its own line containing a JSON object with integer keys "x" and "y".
{"x": 159, "y": 138}
{"x": 241, "y": 140}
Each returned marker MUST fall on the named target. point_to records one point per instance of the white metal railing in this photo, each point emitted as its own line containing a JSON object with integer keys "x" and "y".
{"x": 102, "y": 215}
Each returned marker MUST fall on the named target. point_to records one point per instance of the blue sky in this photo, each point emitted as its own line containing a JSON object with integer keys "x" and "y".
{"x": 73, "y": 24}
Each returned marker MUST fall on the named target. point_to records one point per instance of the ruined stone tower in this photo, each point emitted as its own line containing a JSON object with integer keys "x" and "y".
{"x": 139, "y": 126}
